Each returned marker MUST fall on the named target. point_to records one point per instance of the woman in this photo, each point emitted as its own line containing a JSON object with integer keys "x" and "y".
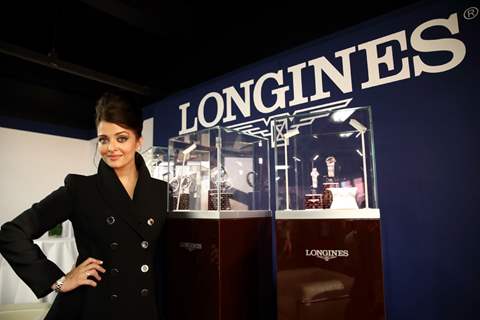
{"x": 117, "y": 216}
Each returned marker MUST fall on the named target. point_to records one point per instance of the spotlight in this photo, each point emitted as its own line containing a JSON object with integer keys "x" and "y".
{"x": 357, "y": 125}
{"x": 291, "y": 133}
{"x": 189, "y": 149}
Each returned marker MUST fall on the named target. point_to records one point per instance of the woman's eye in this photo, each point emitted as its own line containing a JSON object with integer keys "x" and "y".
{"x": 122, "y": 139}
{"x": 102, "y": 140}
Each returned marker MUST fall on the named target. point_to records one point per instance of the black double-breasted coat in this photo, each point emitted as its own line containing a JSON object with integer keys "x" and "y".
{"x": 124, "y": 233}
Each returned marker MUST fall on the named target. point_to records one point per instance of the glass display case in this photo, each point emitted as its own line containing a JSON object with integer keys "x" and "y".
{"x": 325, "y": 160}
{"x": 156, "y": 160}
{"x": 219, "y": 212}
{"x": 219, "y": 169}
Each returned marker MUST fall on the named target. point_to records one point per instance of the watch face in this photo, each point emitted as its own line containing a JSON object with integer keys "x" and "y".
{"x": 251, "y": 178}
{"x": 59, "y": 284}
{"x": 186, "y": 182}
{"x": 220, "y": 178}
{"x": 174, "y": 184}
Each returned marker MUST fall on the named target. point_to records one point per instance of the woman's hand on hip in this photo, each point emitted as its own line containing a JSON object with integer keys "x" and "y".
{"x": 84, "y": 274}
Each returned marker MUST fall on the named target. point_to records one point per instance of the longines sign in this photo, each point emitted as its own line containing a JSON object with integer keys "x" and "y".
{"x": 390, "y": 52}
{"x": 326, "y": 254}
{"x": 190, "y": 246}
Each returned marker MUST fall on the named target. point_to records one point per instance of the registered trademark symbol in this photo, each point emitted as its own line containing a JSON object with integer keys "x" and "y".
{"x": 470, "y": 13}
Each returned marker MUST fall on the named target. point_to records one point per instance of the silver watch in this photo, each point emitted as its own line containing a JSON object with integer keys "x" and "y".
{"x": 59, "y": 285}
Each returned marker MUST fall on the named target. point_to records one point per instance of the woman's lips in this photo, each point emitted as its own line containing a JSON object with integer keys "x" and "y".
{"x": 113, "y": 158}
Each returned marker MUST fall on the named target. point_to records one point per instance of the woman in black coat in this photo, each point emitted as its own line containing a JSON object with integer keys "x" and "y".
{"x": 117, "y": 217}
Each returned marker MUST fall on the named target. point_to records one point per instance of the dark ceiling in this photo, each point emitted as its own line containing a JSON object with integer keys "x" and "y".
{"x": 57, "y": 57}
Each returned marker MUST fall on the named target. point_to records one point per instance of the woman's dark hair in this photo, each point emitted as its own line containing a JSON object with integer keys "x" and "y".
{"x": 118, "y": 109}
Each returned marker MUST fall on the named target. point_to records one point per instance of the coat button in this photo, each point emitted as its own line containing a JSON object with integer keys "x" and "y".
{"x": 114, "y": 245}
{"x": 114, "y": 272}
{"x": 145, "y": 268}
{"x": 110, "y": 220}
{"x": 150, "y": 221}
{"x": 114, "y": 297}
{"x": 144, "y": 292}
{"x": 144, "y": 244}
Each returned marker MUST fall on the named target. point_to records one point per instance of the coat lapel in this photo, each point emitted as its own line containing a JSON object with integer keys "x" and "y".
{"x": 133, "y": 212}
{"x": 147, "y": 202}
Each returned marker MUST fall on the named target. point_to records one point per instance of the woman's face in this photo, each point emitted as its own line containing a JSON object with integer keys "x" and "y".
{"x": 117, "y": 145}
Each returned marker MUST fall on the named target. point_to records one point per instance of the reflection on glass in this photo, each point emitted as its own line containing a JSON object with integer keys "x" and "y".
{"x": 156, "y": 160}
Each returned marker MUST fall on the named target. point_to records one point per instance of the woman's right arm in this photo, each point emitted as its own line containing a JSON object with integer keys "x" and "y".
{"x": 16, "y": 239}
{"x": 80, "y": 276}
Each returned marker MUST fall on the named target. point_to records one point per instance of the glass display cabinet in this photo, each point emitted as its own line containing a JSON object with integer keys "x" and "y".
{"x": 156, "y": 160}
{"x": 326, "y": 161}
{"x": 220, "y": 170}
{"x": 327, "y": 222}
{"x": 219, "y": 226}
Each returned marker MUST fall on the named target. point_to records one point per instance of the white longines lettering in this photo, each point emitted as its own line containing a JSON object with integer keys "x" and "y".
{"x": 190, "y": 246}
{"x": 342, "y": 80}
{"x": 454, "y": 46}
{"x": 326, "y": 254}
{"x": 278, "y": 92}
{"x": 374, "y": 61}
{"x": 390, "y": 52}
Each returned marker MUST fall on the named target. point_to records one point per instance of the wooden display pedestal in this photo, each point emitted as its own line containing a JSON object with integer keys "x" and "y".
{"x": 219, "y": 265}
{"x": 329, "y": 265}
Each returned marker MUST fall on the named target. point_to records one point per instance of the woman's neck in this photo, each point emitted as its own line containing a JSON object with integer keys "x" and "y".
{"x": 126, "y": 172}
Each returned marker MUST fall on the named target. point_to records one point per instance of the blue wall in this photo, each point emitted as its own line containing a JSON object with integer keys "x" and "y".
{"x": 426, "y": 135}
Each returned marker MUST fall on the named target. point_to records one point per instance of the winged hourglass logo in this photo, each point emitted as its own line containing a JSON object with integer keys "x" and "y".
{"x": 268, "y": 128}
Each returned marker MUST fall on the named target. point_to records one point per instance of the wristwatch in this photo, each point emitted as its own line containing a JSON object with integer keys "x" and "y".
{"x": 59, "y": 284}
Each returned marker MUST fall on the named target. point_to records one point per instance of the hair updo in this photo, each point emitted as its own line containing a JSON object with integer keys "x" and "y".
{"x": 118, "y": 109}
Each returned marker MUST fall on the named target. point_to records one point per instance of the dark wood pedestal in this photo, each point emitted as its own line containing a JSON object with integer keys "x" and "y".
{"x": 329, "y": 265}
{"x": 219, "y": 266}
